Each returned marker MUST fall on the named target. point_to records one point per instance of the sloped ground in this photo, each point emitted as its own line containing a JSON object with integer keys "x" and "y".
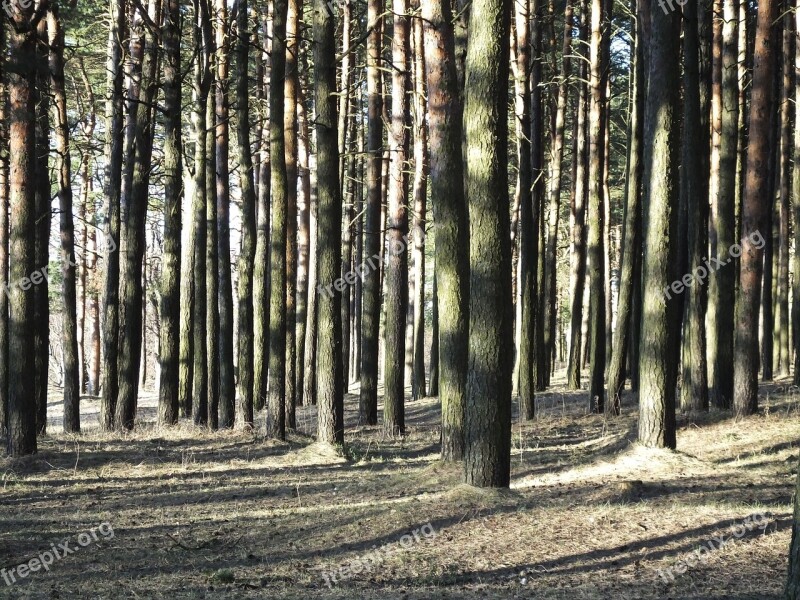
{"x": 227, "y": 515}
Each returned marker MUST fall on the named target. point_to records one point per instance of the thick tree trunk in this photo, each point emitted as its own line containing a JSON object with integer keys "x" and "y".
{"x": 745, "y": 398}
{"x": 4, "y": 237}
{"x": 373, "y": 237}
{"x": 21, "y": 418}
{"x": 169, "y": 344}
{"x": 657, "y": 357}
{"x": 487, "y": 448}
{"x": 451, "y": 228}
{"x": 796, "y": 212}
{"x": 330, "y": 371}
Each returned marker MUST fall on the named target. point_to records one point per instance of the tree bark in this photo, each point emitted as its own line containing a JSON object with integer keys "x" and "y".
{"x": 397, "y": 232}
{"x": 451, "y": 229}
{"x": 657, "y": 357}
{"x": 745, "y": 376}
{"x": 487, "y": 455}
{"x": 330, "y": 369}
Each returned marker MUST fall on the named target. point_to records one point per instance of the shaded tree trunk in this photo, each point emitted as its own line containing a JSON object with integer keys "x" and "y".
{"x": 330, "y": 368}
{"x": 487, "y": 447}
{"x": 661, "y": 133}
{"x": 451, "y": 229}
{"x": 745, "y": 398}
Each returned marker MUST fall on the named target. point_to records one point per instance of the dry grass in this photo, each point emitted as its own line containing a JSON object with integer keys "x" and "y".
{"x": 228, "y": 515}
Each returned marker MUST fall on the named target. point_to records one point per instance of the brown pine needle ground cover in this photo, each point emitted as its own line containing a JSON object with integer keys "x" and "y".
{"x": 589, "y": 514}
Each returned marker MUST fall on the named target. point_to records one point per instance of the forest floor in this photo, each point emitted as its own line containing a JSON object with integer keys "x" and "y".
{"x": 225, "y": 515}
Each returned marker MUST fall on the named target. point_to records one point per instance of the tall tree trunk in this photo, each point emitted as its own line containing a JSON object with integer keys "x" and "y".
{"x": 420, "y": 199}
{"x": 227, "y": 377}
{"x": 290, "y": 136}
{"x": 133, "y": 212}
{"x": 632, "y": 232}
{"x": 554, "y": 195}
{"x": 657, "y": 357}
{"x": 4, "y": 238}
{"x": 397, "y": 231}
{"x": 782, "y": 317}
{"x": 487, "y": 448}
{"x": 21, "y": 69}
{"x": 111, "y": 192}
{"x": 796, "y": 214}
{"x": 745, "y": 388}
{"x": 244, "y": 407}
{"x": 261, "y": 297}
{"x": 578, "y": 221}
{"x": 72, "y": 367}
{"x": 694, "y": 380}
{"x": 330, "y": 370}
{"x": 169, "y": 344}
{"x": 722, "y": 231}
{"x": 202, "y": 85}
{"x": 213, "y": 358}
{"x": 451, "y": 279}
{"x": 44, "y": 209}
{"x": 373, "y": 237}
{"x": 596, "y": 213}
{"x": 276, "y": 419}
{"x": 309, "y": 355}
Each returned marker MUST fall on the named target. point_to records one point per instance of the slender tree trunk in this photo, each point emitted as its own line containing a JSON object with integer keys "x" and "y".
{"x": 660, "y": 202}
{"x": 330, "y": 370}
{"x": 309, "y": 192}
{"x": 111, "y": 192}
{"x": 4, "y": 238}
{"x": 276, "y": 420}
{"x": 745, "y": 398}
{"x": 202, "y": 85}
{"x": 694, "y": 382}
{"x": 72, "y": 392}
{"x": 169, "y": 344}
{"x": 796, "y": 213}
{"x": 44, "y": 209}
{"x": 213, "y": 357}
{"x": 227, "y": 377}
{"x": 290, "y": 136}
{"x": 632, "y": 232}
{"x": 596, "y": 213}
{"x": 303, "y": 250}
{"x": 487, "y": 456}
{"x": 133, "y": 212}
{"x": 433, "y": 382}
{"x": 397, "y": 231}
{"x": 244, "y": 407}
{"x": 782, "y": 317}
{"x": 554, "y": 196}
{"x": 371, "y": 311}
{"x": 451, "y": 228}
{"x": 578, "y": 221}
{"x": 420, "y": 199}
{"x": 261, "y": 309}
